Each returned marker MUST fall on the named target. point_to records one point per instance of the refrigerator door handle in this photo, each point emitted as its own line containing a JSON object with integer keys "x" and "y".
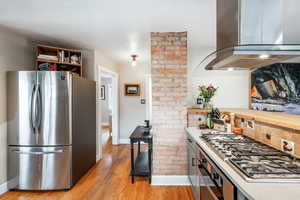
{"x": 33, "y": 107}
{"x": 39, "y": 108}
{"x": 38, "y": 152}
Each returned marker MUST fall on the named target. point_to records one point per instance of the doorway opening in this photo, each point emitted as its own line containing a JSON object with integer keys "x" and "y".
{"x": 107, "y": 109}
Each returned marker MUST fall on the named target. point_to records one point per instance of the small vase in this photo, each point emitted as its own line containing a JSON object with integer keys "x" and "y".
{"x": 206, "y": 103}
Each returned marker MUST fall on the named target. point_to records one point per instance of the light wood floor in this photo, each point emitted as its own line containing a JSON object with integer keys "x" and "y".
{"x": 109, "y": 180}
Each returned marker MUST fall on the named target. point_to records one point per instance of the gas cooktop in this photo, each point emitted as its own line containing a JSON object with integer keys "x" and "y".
{"x": 256, "y": 161}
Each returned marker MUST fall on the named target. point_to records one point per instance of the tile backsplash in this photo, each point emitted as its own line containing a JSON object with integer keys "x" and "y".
{"x": 278, "y": 137}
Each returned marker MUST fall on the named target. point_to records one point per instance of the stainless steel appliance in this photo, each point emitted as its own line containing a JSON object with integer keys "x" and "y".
{"x": 254, "y": 33}
{"x": 217, "y": 186}
{"x": 208, "y": 182}
{"x": 51, "y": 129}
{"x": 254, "y": 161}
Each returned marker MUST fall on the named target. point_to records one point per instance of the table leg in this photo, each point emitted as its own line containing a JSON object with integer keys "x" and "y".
{"x": 132, "y": 161}
{"x": 150, "y": 160}
{"x": 139, "y": 147}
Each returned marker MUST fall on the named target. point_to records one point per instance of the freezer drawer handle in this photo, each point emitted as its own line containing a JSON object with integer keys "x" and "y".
{"x": 37, "y": 153}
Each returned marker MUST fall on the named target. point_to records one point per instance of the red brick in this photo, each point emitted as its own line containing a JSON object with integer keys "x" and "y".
{"x": 169, "y": 89}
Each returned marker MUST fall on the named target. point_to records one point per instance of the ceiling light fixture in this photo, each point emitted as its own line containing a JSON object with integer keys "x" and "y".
{"x": 133, "y": 62}
{"x": 264, "y": 56}
{"x": 230, "y": 69}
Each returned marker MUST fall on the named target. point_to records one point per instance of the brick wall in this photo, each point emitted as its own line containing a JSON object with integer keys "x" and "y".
{"x": 169, "y": 93}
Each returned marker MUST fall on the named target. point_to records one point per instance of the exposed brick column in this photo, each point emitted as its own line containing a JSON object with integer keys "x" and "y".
{"x": 169, "y": 93}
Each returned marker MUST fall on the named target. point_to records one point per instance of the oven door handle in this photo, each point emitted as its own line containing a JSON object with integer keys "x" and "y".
{"x": 212, "y": 193}
{"x": 210, "y": 177}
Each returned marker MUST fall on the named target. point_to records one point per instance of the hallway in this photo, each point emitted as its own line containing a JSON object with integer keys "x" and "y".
{"x": 109, "y": 180}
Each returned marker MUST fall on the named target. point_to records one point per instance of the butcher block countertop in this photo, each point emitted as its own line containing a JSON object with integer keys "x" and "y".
{"x": 274, "y": 118}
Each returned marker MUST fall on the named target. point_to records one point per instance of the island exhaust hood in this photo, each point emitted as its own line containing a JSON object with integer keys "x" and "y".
{"x": 254, "y": 33}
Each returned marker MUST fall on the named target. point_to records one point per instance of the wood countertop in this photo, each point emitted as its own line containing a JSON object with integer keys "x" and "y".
{"x": 274, "y": 118}
{"x": 205, "y": 111}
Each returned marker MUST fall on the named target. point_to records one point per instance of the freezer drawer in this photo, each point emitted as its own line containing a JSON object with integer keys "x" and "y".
{"x": 39, "y": 168}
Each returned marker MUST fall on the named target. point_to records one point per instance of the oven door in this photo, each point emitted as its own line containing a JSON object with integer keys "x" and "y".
{"x": 211, "y": 184}
{"x": 216, "y": 185}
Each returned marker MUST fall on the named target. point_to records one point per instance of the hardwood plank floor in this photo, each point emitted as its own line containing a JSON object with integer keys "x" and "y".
{"x": 109, "y": 180}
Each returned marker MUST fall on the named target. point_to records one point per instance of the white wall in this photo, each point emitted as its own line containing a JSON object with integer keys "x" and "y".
{"x": 17, "y": 53}
{"x": 233, "y": 86}
{"x": 88, "y": 64}
{"x": 105, "y": 110}
{"x": 108, "y": 63}
{"x": 132, "y": 112}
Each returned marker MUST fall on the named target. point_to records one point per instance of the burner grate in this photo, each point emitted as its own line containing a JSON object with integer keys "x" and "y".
{"x": 254, "y": 159}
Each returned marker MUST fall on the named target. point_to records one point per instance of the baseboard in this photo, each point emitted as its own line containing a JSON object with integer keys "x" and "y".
{"x": 127, "y": 141}
{"x": 170, "y": 180}
{"x": 124, "y": 141}
{"x": 98, "y": 157}
{"x": 3, "y": 188}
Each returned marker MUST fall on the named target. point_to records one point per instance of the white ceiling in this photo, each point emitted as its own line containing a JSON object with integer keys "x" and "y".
{"x": 117, "y": 28}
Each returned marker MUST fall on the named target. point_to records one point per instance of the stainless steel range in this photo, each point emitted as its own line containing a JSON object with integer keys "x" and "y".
{"x": 256, "y": 162}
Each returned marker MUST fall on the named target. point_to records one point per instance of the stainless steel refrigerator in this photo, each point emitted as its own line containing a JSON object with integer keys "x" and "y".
{"x": 51, "y": 129}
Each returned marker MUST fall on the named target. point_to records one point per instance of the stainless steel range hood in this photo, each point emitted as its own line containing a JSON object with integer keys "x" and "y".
{"x": 254, "y": 33}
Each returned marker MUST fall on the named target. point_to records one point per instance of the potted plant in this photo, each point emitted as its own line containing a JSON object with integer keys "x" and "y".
{"x": 207, "y": 92}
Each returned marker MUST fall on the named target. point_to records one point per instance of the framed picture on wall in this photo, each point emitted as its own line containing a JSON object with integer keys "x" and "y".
{"x": 132, "y": 89}
{"x": 276, "y": 88}
{"x": 102, "y": 92}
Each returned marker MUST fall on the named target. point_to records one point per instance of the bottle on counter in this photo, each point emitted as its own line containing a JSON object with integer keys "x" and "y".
{"x": 209, "y": 121}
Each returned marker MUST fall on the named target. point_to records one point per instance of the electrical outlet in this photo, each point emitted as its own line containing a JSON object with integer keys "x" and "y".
{"x": 250, "y": 124}
{"x": 287, "y": 146}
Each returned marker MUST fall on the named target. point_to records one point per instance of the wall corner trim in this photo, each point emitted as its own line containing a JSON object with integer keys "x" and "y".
{"x": 170, "y": 180}
{"x": 3, "y": 188}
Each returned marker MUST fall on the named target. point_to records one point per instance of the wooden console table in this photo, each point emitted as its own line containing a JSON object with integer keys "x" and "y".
{"x": 141, "y": 166}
